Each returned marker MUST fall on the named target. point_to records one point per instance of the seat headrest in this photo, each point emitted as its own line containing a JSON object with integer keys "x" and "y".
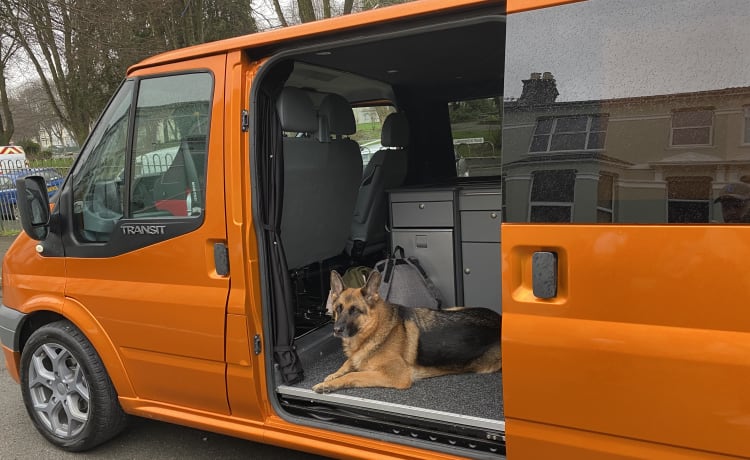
{"x": 395, "y": 131}
{"x": 296, "y": 111}
{"x": 339, "y": 114}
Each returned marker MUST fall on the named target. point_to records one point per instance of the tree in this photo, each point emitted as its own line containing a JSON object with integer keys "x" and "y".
{"x": 81, "y": 48}
{"x": 8, "y": 48}
{"x": 312, "y": 10}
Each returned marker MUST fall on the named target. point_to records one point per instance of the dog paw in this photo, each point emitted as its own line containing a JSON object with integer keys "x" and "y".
{"x": 321, "y": 388}
{"x": 330, "y": 377}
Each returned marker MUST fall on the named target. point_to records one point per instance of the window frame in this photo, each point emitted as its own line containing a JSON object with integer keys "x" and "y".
{"x": 570, "y": 205}
{"x": 707, "y": 201}
{"x": 612, "y": 200}
{"x": 590, "y": 117}
{"x": 710, "y": 126}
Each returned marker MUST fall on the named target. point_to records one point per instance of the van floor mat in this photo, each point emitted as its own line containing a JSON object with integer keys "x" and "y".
{"x": 474, "y": 395}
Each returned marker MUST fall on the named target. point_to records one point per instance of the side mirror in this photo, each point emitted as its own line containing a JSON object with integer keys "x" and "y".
{"x": 33, "y": 206}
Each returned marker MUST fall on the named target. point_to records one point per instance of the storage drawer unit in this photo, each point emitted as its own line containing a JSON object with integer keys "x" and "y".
{"x": 454, "y": 232}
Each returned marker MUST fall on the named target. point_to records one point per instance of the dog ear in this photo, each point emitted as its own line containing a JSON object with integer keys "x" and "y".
{"x": 337, "y": 287}
{"x": 370, "y": 289}
{"x": 337, "y": 283}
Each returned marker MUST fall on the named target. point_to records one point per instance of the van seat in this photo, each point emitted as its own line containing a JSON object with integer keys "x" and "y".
{"x": 386, "y": 170}
{"x": 319, "y": 190}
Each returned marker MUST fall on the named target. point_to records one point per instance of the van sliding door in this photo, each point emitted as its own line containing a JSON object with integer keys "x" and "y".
{"x": 626, "y": 161}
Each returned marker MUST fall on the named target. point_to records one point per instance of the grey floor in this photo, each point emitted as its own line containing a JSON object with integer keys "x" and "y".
{"x": 476, "y": 395}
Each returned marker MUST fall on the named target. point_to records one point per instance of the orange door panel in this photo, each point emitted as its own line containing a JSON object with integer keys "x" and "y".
{"x": 647, "y": 339}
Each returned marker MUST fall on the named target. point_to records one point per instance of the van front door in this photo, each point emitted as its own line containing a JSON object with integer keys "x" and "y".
{"x": 144, "y": 208}
{"x": 625, "y": 248}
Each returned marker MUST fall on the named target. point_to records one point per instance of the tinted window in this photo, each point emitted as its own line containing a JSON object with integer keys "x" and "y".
{"x": 645, "y": 104}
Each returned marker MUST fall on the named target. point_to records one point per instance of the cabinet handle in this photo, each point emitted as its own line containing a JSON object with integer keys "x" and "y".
{"x": 493, "y": 215}
{"x": 421, "y": 205}
{"x": 467, "y": 271}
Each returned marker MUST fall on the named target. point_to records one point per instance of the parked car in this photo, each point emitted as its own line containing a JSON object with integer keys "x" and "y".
{"x": 8, "y": 210}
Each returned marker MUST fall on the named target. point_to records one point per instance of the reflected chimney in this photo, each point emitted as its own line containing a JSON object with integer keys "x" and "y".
{"x": 539, "y": 89}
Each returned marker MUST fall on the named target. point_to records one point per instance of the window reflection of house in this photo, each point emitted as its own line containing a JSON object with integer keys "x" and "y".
{"x": 651, "y": 159}
{"x": 692, "y": 127}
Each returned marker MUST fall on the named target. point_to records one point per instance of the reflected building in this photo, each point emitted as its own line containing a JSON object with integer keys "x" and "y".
{"x": 650, "y": 159}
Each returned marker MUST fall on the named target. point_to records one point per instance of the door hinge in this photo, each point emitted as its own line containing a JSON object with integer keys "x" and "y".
{"x": 245, "y": 121}
{"x": 257, "y": 345}
{"x": 221, "y": 259}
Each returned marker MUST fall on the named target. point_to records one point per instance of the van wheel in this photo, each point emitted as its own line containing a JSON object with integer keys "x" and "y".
{"x": 66, "y": 389}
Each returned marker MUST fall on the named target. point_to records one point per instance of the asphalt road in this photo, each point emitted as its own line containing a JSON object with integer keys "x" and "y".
{"x": 143, "y": 439}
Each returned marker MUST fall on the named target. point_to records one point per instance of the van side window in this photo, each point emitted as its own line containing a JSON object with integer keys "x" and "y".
{"x": 166, "y": 156}
{"x": 649, "y": 139}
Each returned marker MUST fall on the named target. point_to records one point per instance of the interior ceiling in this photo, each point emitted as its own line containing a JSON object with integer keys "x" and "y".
{"x": 454, "y": 63}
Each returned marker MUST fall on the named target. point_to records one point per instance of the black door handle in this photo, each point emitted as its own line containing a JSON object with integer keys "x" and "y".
{"x": 544, "y": 274}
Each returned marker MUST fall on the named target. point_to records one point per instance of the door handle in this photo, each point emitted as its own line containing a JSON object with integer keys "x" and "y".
{"x": 544, "y": 274}
{"x": 221, "y": 259}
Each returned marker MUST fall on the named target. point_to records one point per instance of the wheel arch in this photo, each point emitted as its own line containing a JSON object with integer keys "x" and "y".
{"x": 91, "y": 329}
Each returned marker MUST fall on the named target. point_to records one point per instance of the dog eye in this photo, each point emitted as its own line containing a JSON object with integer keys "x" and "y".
{"x": 338, "y": 308}
{"x": 353, "y": 310}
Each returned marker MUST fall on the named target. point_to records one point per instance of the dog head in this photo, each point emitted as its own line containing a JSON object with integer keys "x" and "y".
{"x": 351, "y": 307}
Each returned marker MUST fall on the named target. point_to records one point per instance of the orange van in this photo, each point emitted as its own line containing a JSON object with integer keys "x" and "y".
{"x": 582, "y": 168}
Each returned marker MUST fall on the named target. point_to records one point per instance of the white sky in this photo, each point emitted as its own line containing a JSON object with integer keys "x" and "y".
{"x": 620, "y": 48}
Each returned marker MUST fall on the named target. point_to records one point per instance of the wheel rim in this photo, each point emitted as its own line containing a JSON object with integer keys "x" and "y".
{"x": 59, "y": 390}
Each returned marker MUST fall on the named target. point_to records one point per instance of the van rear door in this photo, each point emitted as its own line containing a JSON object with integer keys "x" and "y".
{"x": 145, "y": 209}
{"x": 625, "y": 286}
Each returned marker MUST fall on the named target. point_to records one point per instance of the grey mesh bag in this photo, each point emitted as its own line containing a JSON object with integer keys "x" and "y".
{"x": 404, "y": 282}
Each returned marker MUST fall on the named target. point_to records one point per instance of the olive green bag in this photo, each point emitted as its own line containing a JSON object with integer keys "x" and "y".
{"x": 355, "y": 277}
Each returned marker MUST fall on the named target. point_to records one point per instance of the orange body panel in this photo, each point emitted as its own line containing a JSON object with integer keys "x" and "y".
{"x": 641, "y": 341}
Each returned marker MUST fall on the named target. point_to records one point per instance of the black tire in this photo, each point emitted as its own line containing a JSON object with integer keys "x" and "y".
{"x": 66, "y": 389}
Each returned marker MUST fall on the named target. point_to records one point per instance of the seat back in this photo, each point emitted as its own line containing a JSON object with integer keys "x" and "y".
{"x": 386, "y": 170}
{"x": 344, "y": 169}
{"x": 318, "y": 195}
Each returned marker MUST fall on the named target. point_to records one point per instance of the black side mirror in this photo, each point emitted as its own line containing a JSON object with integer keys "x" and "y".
{"x": 33, "y": 206}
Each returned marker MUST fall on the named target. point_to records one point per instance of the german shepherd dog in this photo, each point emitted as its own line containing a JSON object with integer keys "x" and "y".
{"x": 392, "y": 346}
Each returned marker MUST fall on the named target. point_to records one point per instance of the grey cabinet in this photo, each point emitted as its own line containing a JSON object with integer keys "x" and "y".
{"x": 454, "y": 232}
{"x": 480, "y": 247}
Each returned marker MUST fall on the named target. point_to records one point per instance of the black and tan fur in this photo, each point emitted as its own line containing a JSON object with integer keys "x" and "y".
{"x": 392, "y": 346}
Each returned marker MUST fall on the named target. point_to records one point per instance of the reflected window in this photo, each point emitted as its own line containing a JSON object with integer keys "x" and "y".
{"x": 746, "y": 138}
{"x": 692, "y": 127}
{"x": 552, "y": 196}
{"x": 688, "y": 199}
{"x": 583, "y": 132}
{"x": 605, "y": 199}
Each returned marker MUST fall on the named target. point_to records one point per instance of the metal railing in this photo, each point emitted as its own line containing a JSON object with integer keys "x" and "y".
{"x": 9, "y": 172}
